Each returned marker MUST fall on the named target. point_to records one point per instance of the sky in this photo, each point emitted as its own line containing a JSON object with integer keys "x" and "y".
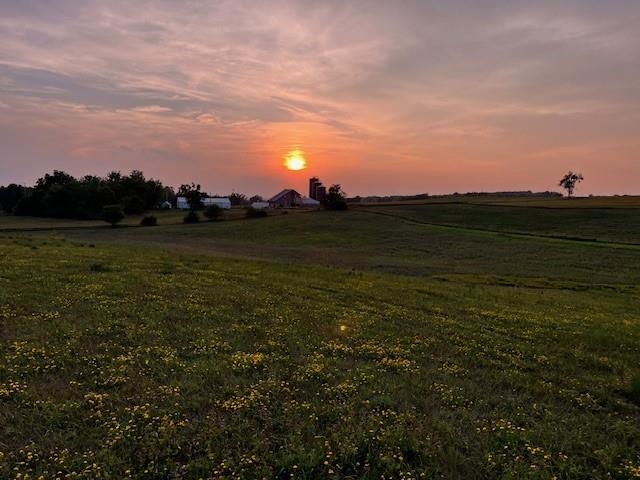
{"x": 382, "y": 97}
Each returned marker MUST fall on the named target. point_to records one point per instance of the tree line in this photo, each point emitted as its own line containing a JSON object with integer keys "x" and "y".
{"x": 61, "y": 195}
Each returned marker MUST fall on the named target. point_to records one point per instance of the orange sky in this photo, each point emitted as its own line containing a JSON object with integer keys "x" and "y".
{"x": 384, "y": 98}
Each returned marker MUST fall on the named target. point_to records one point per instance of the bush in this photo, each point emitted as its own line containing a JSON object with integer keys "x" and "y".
{"x": 112, "y": 214}
{"x": 213, "y": 212}
{"x": 149, "y": 221}
{"x": 255, "y": 213}
{"x": 191, "y": 217}
{"x": 336, "y": 198}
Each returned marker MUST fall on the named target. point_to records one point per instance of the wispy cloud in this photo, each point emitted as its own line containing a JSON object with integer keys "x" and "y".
{"x": 212, "y": 89}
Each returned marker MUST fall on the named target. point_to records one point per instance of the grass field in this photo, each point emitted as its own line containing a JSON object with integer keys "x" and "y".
{"x": 599, "y": 224}
{"x": 164, "y": 217}
{"x": 387, "y": 342}
{"x": 625, "y": 201}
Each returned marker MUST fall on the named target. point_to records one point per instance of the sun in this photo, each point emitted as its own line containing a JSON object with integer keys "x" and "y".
{"x": 294, "y": 160}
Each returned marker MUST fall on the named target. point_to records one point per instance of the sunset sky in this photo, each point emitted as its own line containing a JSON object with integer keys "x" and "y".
{"x": 383, "y": 97}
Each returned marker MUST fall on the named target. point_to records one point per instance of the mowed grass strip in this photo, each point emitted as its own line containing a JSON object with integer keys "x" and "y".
{"x": 135, "y": 362}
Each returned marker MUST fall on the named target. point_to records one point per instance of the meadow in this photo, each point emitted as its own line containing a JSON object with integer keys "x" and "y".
{"x": 408, "y": 341}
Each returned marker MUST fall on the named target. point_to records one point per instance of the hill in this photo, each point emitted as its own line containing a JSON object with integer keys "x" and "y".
{"x": 454, "y": 340}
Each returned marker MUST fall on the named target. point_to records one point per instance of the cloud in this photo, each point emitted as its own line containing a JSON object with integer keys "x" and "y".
{"x": 151, "y": 109}
{"x": 426, "y": 83}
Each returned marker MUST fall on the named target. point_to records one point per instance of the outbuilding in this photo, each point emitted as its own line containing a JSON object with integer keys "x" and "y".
{"x": 221, "y": 202}
{"x": 285, "y": 199}
{"x": 183, "y": 204}
{"x": 259, "y": 205}
{"x": 309, "y": 202}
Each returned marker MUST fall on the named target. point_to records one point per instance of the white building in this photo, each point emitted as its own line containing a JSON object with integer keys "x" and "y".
{"x": 183, "y": 204}
{"x": 260, "y": 205}
{"x": 309, "y": 202}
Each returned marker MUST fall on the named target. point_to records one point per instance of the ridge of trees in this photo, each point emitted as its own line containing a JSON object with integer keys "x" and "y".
{"x": 61, "y": 195}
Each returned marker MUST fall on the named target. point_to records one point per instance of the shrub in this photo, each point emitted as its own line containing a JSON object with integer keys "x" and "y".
{"x": 255, "y": 213}
{"x": 191, "y": 217}
{"x": 149, "y": 221}
{"x": 336, "y": 198}
{"x": 213, "y": 212}
{"x": 111, "y": 214}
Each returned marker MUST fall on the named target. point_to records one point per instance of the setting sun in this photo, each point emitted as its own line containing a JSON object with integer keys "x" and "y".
{"x": 295, "y": 160}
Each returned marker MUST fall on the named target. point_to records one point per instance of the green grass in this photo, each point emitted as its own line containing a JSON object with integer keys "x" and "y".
{"x": 625, "y": 201}
{"x": 165, "y": 217}
{"x": 14, "y": 223}
{"x": 324, "y": 345}
{"x": 388, "y": 243}
{"x": 595, "y": 224}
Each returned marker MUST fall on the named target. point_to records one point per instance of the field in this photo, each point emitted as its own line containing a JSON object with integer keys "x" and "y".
{"x": 165, "y": 217}
{"x": 408, "y": 341}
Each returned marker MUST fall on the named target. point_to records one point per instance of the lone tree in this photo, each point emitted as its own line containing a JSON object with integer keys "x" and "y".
{"x": 569, "y": 181}
{"x": 336, "y": 198}
{"x": 193, "y": 195}
{"x": 112, "y": 214}
{"x": 238, "y": 199}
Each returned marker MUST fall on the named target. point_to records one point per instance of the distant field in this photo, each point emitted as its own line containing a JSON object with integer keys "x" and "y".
{"x": 626, "y": 201}
{"x": 355, "y": 344}
{"x": 599, "y": 224}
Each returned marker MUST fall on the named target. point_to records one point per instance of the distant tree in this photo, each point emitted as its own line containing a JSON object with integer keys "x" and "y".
{"x": 569, "y": 181}
{"x": 213, "y": 212}
{"x": 61, "y": 195}
{"x": 114, "y": 177}
{"x": 58, "y": 177}
{"x": 238, "y": 199}
{"x": 112, "y": 214}
{"x": 336, "y": 198}
{"x": 256, "y": 198}
{"x": 169, "y": 195}
{"x": 193, "y": 195}
{"x": 10, "y": 196}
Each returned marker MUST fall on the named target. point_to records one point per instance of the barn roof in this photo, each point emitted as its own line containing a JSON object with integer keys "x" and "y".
{"x": 283, "y": 193}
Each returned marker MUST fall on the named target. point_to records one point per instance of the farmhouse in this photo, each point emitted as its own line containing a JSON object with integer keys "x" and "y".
{"x": 183, "y": 204}
{"x": 285, "y": 199}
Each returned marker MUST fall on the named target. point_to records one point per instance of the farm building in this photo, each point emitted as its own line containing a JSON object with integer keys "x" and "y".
{"x": 183, "y": 204}
{"x": 260, "y": 205}
{"x": 285, "y": 199}
{"x": 309, "y": 202}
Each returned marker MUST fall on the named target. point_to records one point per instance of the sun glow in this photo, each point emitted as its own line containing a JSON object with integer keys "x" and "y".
{"x": 295, "y": 160}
